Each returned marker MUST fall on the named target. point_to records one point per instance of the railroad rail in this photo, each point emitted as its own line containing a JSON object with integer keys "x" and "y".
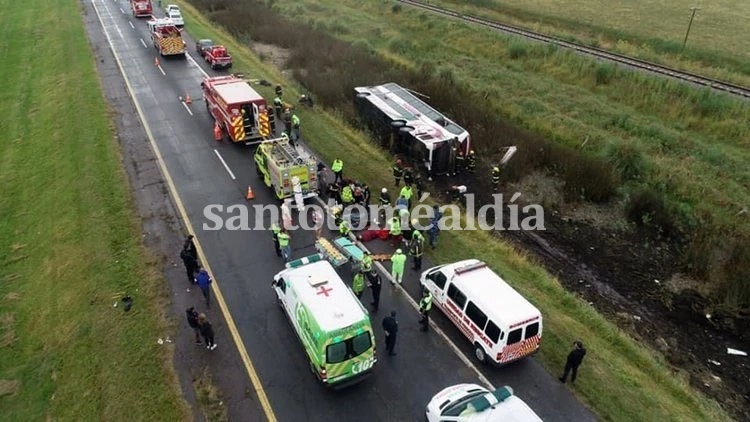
{"x": 591, "y": 51}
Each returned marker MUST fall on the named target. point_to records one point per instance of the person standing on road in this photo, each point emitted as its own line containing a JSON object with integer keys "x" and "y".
{"x": 384, "y": 202}
{"x": 275, "y": 230}
{"x": 191, "y": 264}
{"x": 390, "y": 326}
{"x": 575, "y": 357}
{"x": 358, "y": 284}
{"x": 375, "y": 283}
{"x": 366, "y": 262}
{"x": 434, "y": 229}
{"x": 398, "y": 260}
{"x": 277, "y": 106}
{"x": 192, "y": 319}
{"x": 286, "y": 249}
{"x": 204, "y": 282}
{"x": 295, "y": 127}
{"x": 338, "y": 170}
{"x": 425, "y": 304}
{"x": 189, "y": 245}
{"x": 416, "y": 249}
{"x": 207, "y": 330}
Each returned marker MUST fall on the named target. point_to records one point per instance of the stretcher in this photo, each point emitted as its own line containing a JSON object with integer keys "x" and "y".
{"x": 351, "y": 251}
{"x": 331, "y": 252}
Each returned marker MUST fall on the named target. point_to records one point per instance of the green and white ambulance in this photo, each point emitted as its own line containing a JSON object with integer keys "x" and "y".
{"x": 329, "y": 320}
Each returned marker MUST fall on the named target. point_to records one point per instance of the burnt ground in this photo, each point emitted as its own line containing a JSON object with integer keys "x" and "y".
{"x": 632, "y": 278}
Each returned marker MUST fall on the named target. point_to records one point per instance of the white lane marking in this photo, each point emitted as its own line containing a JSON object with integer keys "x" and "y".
{"x": 414, "y": 305}
{"x": 122, "y": 11}
{"x": 119, "y": 33}
{"x": 131, "y": 25}
{"x": 196, "y": 64}
{"x": 161, "y": 70}
{"x": 143, "y": 42}
{"x": 239, "y": 343}
{"x": 225, "y": 165}
{"x": 187, "y": 108}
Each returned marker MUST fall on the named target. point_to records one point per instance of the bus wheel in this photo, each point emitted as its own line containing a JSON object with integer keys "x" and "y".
{"x": 479, "y": 353}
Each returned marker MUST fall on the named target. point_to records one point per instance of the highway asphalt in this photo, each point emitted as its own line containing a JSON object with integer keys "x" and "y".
{"x": 206, "y": 172}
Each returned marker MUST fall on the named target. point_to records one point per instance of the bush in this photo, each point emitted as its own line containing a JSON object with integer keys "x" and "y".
{"x": 648, "y": 210}
{"x": 517, "y": 49}
{"x": 589, "y": 178}
{"x": 604, "y": 73}
{"x": 627, "y": 158}
{"x": 396, "y": 7}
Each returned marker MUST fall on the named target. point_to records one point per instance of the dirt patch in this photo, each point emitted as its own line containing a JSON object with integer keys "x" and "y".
{"x": 8, "y": 336}
{"x": 9, "y": 387}
{"x": 269, "y": 53}
{"x": 209, "y": 397}
{"x": 12, "y": 296}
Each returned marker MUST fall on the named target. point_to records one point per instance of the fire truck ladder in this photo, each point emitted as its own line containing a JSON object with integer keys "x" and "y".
{"x": 288, "y": 153}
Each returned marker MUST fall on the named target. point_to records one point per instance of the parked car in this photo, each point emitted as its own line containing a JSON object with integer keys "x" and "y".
{"x": 172, "y": 7}
{"x": 203, "y": 45}
{"x": 474, "y": 403}
{"x": 176, "y": 18}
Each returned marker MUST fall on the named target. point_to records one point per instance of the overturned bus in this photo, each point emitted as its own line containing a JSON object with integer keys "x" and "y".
{"x": 412, "y": 128}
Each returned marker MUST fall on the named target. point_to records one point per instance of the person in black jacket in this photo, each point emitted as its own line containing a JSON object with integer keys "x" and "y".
{"x": 390, "y": 326}
{"x": 375, "y": 283}
{"x": 575, "y": 357}
{"x": 191, "y": 264}
{"x": 207, "y": 331}
{"x": 192, "y": 319}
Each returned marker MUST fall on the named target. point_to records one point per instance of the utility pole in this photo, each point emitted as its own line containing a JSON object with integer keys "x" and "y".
{"x": 692, "y": 15}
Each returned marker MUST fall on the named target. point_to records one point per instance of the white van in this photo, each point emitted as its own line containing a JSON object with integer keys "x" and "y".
{"x": 501, "y": 324}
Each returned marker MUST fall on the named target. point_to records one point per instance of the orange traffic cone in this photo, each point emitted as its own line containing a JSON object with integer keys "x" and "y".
{"x": 188, "y": 100}
{"x": 250, "y": 195}
{"x": 156, "y": 61}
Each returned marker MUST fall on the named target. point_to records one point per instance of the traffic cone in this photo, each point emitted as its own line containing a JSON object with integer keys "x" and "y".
{"x": 250, "y": 195}
{"x": 156, "y": 61}
{"x": 188, "y": 100}
{"x": 217, "y": 132}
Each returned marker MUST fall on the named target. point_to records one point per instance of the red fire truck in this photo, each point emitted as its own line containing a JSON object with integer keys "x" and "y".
{"x": 241, "y": 113}
{"x": 142, "y": 8}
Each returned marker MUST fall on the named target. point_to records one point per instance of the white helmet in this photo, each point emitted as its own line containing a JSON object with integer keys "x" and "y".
{"x": 384, "y": 190}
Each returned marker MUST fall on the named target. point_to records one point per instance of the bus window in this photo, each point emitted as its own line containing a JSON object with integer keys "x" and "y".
{"x": 532, "y": 330}
{"x": 492, "y": 331}
{"x": 457, "y": 296}
{"x": 476, "y": 315}
{"x": 514, "y": 336}
{"x": 438, "y": 278}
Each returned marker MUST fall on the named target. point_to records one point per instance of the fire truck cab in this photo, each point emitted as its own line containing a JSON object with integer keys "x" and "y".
{"x": 238, "y": 109}
{"x": 142, "y": 8}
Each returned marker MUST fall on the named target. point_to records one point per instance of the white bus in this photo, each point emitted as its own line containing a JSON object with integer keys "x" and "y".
{"x": 501, "y": 324}
{"x": 420, "y": 132}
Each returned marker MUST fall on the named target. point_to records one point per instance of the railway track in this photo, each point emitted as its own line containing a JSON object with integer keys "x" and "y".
{"x": 591, "y": 51}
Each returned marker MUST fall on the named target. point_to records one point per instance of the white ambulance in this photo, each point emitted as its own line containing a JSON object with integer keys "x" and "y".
{"x": 501, "y": 324}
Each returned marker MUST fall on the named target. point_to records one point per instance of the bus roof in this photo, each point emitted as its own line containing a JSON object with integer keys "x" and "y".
{"x": 236, "y": 91}
{"x": 399, "y": 104}
{"x": 325, "y": 295}
{"x": 490, "y": 292}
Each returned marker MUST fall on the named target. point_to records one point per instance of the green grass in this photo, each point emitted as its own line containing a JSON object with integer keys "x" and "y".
{"x": 70, "y": 244}
{"x": 620, "y": 379}
{"x": 653, "y": 30}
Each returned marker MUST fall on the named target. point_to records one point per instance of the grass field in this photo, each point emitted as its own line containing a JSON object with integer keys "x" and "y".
{"x": 69, "y": 240}
{"x": 718, "y": 44}
{"x": 620, "y": 379}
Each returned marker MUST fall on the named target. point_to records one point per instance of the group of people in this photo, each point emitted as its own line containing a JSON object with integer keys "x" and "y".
{"x": 199, "y": 276}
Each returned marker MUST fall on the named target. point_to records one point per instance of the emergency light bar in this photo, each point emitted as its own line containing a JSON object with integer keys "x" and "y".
{"x": 470, "y": 267}
{"x": 304, "y": 261}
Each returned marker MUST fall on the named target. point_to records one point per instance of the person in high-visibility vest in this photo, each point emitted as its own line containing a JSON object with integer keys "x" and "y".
{"x": 395, "y": 231}
{"x": 366, "y": 263}
{"x": 384, "y": 201}
{"x": 471, "y": 162}
{"x": 425, "y": 304}
{"x": 278, "y": 105}
{"x": 347, "y": 195}
{"x": 344, "y": 228}
{"x": 398, "y": 260}
{"x": 286, "y": 249}
{"x": 338, "y": 169}
{"x": 295, "y": 127}
{"x": 358, "y": 284}
{"x": 407, "y": 193}
{"x": 495, "y": 177}
{"x": 275, "y": 230}
{"x": 416, "y": 249}
{"x": 398, "y": 172}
